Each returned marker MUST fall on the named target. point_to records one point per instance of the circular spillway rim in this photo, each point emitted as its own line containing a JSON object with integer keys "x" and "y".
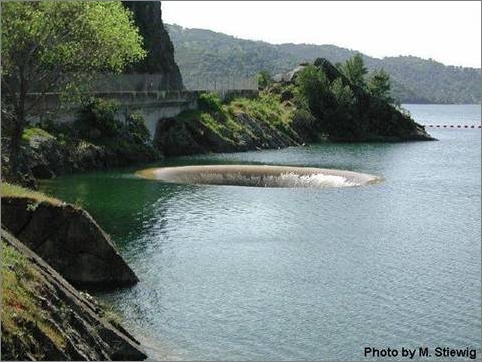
{"x": 180, "y": 174}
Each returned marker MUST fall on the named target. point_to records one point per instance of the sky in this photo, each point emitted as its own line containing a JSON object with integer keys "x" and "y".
{"x": 446, "y": 31}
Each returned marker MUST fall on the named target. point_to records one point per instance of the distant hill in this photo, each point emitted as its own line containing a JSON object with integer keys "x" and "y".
{"x": 204, "y": 54}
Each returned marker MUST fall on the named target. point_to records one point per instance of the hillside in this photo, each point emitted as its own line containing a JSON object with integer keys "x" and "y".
{"x": 203, "y": 55}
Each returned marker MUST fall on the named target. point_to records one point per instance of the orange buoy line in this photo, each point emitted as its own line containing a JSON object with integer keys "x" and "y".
{"x": 452, "y": 126}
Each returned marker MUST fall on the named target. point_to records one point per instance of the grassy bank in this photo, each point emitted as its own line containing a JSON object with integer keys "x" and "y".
{"x": 10, "y": 190}
{"x": 23, "y": 312}
{"x": 43, "y": 316}
{"x": 237, "y": 125}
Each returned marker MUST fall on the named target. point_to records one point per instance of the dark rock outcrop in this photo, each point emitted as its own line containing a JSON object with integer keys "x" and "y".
{"x": 67, "y": 238}
{"x": 160, "y": 51}
{"x": 60, "y": 323}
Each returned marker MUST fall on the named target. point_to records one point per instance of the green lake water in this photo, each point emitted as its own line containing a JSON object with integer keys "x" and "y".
{"x": 231, "y": 272}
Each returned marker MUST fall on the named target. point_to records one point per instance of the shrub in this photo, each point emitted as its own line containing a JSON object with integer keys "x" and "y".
{"x": 314, "y": 87}
{"x": 304, "y": 123}
{"x": 209, "y": 102}
{"x": 136, "y": 127}
{"x": 98, "y": 115}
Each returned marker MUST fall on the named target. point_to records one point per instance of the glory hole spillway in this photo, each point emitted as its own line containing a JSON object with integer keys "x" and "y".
{"x": 259, "y": 176}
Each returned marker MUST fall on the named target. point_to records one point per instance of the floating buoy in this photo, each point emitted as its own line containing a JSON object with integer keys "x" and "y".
{"x": 452, "y": 126}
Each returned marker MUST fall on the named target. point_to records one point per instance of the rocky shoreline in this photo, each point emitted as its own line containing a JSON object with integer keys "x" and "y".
{"x": 68, "y": 325}
{"x": 50, "y": 248}
{"x": 47, "y": 157}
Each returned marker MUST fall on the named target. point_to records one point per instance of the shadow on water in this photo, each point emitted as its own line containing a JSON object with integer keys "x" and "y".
{"x": 119, "y": 202}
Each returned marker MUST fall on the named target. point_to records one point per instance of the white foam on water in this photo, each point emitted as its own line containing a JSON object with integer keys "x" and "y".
{"x": 290, "y": 179}
{"x": 315, "y": 180}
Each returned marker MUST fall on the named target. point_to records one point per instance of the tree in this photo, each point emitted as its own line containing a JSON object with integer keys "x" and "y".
{"x": 313, "y": 86}
{"x": 354, "y": 69}
{"x": 343, "y": 94}
{"x": 379, "y": 85}
{"x": 49, "y": 45}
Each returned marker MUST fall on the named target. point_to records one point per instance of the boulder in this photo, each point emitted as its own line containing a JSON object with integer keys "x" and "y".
{"x": 290, "y": 76}
{"x": 67, "y": 238}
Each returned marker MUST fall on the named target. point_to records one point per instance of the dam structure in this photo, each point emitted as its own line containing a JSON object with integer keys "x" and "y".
{"x": 138, "y": 93}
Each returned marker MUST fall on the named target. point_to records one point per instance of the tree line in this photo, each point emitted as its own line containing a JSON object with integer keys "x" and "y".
{"x": 206, "y": 53}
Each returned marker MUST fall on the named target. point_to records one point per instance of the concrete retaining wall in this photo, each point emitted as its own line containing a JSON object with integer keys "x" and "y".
{"x": 153, "y": 105}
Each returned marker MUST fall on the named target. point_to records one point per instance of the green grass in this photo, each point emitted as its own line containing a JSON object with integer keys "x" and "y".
{"x": 21, "y": 285}
{"x": 221, "y": 129}
{"x": 267, "y": 108}
{"x": 24, "y": 292}
{"x": 223, "y": 121}
{"x": 9, "y": 190}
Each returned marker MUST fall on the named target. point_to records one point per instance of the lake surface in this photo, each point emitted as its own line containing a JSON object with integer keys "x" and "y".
{"x": 231, "y": 272}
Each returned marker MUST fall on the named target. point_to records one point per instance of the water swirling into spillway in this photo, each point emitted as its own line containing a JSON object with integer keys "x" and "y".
{"x": 259, "y": 176}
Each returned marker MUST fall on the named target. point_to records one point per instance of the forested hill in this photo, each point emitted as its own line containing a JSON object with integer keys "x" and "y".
{"x": 204, "y": 54}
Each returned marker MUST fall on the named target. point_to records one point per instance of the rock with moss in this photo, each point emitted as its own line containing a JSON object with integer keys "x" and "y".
{"x": 237, "y": 125}
{"x": 66, "y": 237}
{"x": 45, "y": 318}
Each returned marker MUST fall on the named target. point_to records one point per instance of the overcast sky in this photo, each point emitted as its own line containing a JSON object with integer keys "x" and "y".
{"x": 449, "y": 32}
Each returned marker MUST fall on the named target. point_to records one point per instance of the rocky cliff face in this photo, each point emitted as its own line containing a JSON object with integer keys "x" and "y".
{"x": 45, "y": 318}
{"x": 176, "y": 137}
{"x": 67, "y": 238}
{"x": 159, "y": 47}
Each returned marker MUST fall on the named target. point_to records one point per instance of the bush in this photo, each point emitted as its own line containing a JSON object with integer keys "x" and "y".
{"x": 98, "y": 116}
{"x": 209, "y": 102}
{"x": 136, "y": 127}
{"x": 304, "y": 123}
